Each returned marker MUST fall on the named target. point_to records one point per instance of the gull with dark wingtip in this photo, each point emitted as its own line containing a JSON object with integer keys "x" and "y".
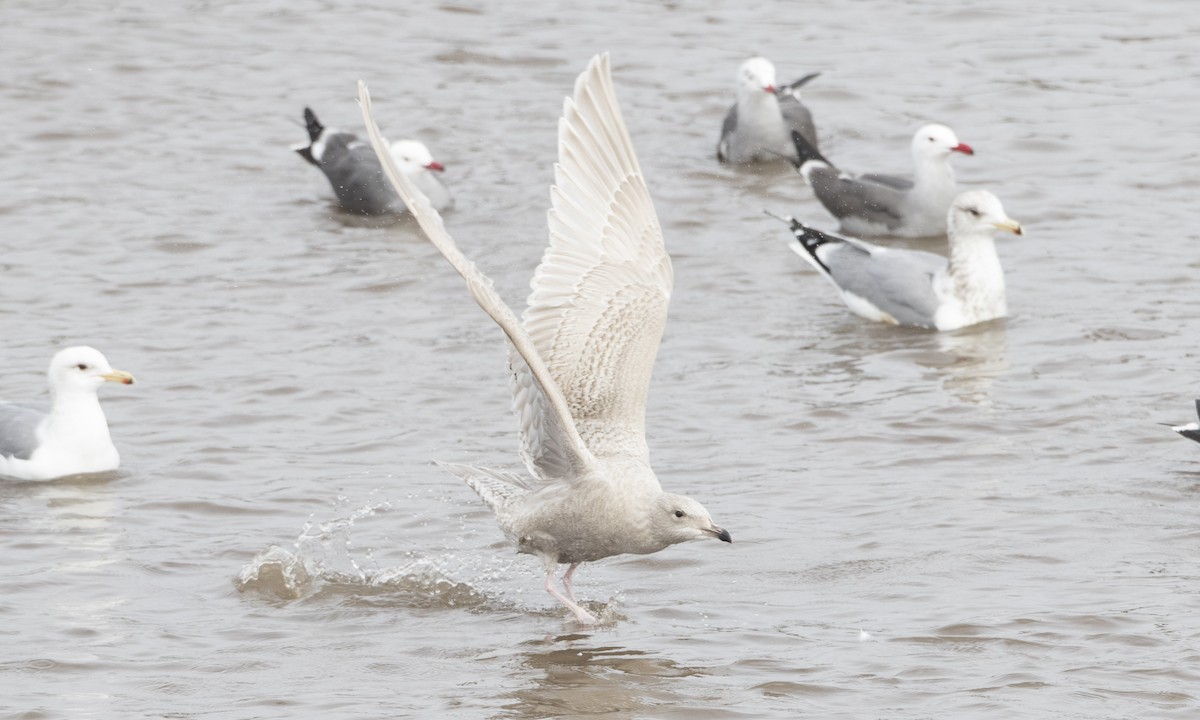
{"x": 759, "y": 125}
{"x": 357, "y": 178}
{"x": 875, "y": 204}
{"x": 921, "y": 289}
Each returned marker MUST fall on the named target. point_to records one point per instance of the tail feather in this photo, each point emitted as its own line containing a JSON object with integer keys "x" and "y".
{"x": 806, "y": 241}
{"x": 314, "y": 126}
{"x": 805, "y": 152}
{"x": 496, "y": 488}
{"x": 796, "y": 85}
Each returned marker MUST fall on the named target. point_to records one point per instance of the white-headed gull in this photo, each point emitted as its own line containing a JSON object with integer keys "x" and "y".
{"x": 876, "y": 204}
{"x": 758, "y": 127}
{"x": 357, "y": 179}
{"x": 910, "y": 287}
{"x": 72, "y": 437}
{"x": 581, "y": 360}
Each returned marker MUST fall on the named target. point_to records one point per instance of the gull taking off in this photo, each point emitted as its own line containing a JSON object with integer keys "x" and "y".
{"x": 582, "y": 357}
{"x": 758, "y": 127}
{"x": 72, "y": 437}
{"x": 884, "y": 204}
{"x": 353, "y": 170}
{"x": 909, "y": 287}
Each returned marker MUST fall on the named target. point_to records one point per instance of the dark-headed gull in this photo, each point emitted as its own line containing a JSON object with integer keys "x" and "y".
{"x": 357, "y": 179}
{"x": 72, "y": 437}
{"x": 759, "y": 125}
{"x": 581, "y": 360}
{"x": 884, "y": 204}
{"x": 910, "y": 287}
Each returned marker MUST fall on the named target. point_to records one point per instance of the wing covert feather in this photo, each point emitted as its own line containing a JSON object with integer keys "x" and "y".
{"x": 600, "y": 294}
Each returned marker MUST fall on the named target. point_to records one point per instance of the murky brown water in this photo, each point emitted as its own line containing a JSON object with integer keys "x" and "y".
{"x": 996, "y": 508}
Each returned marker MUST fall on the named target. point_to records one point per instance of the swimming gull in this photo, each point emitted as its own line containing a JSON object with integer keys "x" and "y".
{"x": 353, "y": 170}
{"x": 73, "y": 436}
{"x": 910, "y": 287}
{"x": 1191, "y": 431}
{"x": 875, "y": 204}
{"x": 759, "y": 125}
{"x": 581, "y": 359}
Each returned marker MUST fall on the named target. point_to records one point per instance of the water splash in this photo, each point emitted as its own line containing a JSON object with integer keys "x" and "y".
{"x": 324, "y": 560}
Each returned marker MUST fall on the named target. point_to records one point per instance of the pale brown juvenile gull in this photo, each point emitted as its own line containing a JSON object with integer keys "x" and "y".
{"x": 582, "y": 358}
{"x": 69, "y": 438}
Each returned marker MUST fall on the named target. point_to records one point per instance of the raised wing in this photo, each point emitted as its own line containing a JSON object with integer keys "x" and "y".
{"x": 574, "y": 451}
{"x": 600, "y": 294}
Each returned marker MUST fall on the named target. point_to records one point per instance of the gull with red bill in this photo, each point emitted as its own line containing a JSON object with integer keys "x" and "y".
{"x": 759, "y": 125}
{"x": 357, "y": 178}
{"x": 72, "y": 437}
{"x": 874, "y": 204}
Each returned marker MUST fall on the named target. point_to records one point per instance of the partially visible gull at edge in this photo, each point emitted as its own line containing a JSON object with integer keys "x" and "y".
{"x": 605, "y": 279}
{"x": 875, "y": 204}
{"x": 72, "y": 437}
{"x": 910, "y": 287}
{"x": 758, "y": 127}
{"x": 1191, "y": 431}
{"x": 357, "y": 179}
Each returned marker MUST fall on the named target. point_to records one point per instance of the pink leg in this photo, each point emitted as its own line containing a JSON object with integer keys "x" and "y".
{"x": 583, "y": 616}
{"x": 568, "y": 583}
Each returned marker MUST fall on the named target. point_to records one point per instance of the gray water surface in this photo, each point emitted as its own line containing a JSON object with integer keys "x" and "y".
{"x": 983, "y": 524}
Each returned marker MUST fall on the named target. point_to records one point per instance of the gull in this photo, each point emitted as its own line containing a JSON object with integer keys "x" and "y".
{"x": 1191, "y": 431}
{"x": 72, "y": 437}
{"x": 876, "y": 204}
{"x": 581, "y": 360}
{"x": 920, "y": 289}
{"x": 354, "y": 172}
{"x": 759, "y": 125}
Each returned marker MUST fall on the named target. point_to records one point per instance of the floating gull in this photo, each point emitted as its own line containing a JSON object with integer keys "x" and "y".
{"x": 759, "y": 125}
{"x": 357, "y": 179}
{"x": 582, "y": 358}
{"x": 909, "y": 287}
{"x": 884, "y": 204}
{"x": 1191, "y": 431}
{"x": 73, "y": 437}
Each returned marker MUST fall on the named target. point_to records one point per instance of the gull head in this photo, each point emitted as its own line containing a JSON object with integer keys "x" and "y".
{"x": 412, "y": 158}
{"x": 978, "y": 212}
{"x": 679, "y": 519}
{"x": 937, "y": 141}
{"x": 756, "y": 75}
{"x": 83, "y": 369}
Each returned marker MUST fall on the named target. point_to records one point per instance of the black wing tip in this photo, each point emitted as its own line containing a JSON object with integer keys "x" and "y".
{"x": 1193, "y": 435}
{"x": 314, "y": 126}
{"x": 805, "y": 152}
{"x": 796, "y": 85}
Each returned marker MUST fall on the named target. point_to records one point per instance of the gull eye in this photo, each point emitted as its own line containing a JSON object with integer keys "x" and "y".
{"x": 81, "y": 366}
{"x": 974, "y": 212}
{"x": 678, "y": 513}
